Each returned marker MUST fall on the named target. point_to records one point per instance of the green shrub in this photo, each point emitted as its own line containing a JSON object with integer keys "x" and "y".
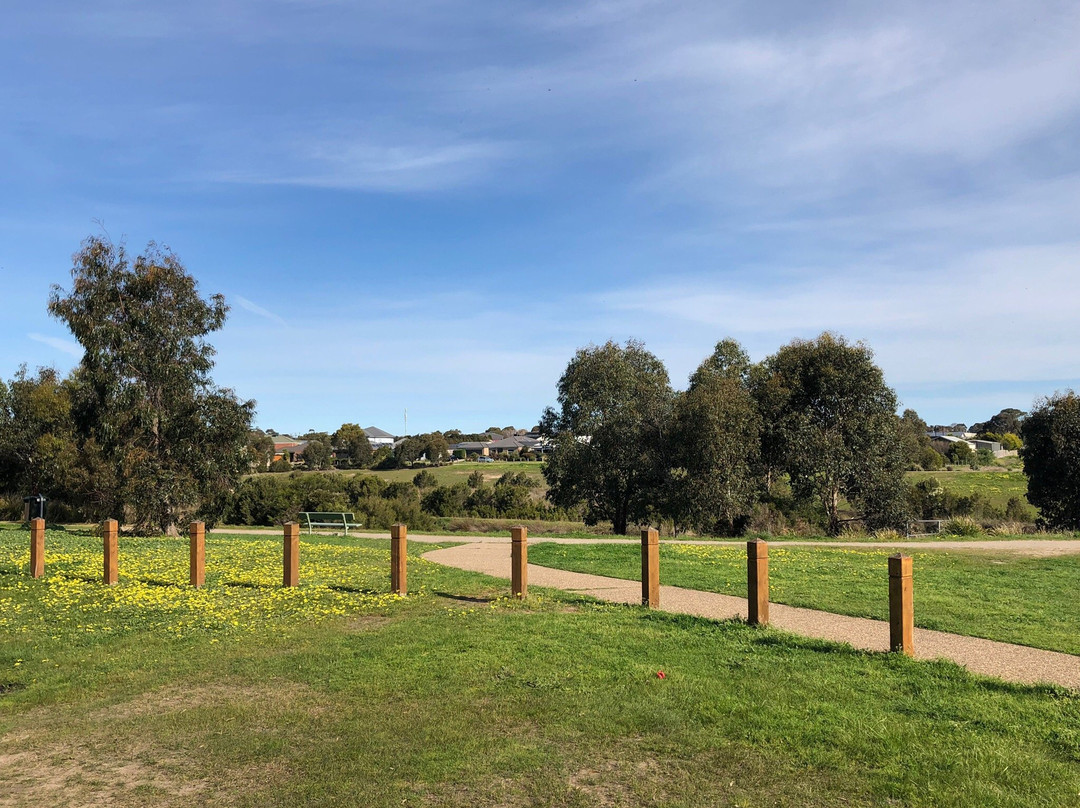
{"x": 962, "y": 526}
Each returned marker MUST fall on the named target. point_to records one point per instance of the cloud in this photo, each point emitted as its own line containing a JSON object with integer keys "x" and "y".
{"x": 254, "y": 308}
{"x": 66, "y": 345}
{"x": 355, "y": 164}
{"x": 991, "y": 315}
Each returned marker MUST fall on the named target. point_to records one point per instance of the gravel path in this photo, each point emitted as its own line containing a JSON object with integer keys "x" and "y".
{"x": 1030, "y": 547}
{"x": 1014, "y": 663}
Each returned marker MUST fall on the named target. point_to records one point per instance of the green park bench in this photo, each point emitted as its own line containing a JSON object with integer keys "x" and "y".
{"x": 321, "y": 519}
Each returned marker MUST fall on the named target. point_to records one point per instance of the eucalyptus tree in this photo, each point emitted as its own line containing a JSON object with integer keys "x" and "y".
{"x": 833, "y": 427}
{"x": 172, "y": 440}
{"x": 1051, "y": 455}
{"x": 610, "y": 434}
{"x": 716, "y": 446}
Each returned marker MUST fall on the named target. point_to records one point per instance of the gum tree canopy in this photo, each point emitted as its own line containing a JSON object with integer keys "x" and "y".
{"x": 1051, "y": 455}
{"x": 175, "y": 441}
{"x": 609, "y": 433}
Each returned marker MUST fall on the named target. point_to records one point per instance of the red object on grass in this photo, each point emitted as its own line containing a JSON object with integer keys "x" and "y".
{"x": 660, "y": 675}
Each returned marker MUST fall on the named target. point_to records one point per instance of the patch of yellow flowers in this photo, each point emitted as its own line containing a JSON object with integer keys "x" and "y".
{"x": 243, "y": 590}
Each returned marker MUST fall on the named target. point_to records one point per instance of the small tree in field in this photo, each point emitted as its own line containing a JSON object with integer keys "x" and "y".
{"x": 1051, "y": 455}
{"x": 172, "y": 439}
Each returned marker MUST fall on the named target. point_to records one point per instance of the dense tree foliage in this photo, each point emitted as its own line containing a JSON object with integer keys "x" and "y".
{"x": 1051, "y": 455}
{"x": 915, "y": 443}
{"x": 837, "y": 429}
{"x": 352, "y": 440}
{"x": 610, "y": 434}
{"x": 715, "y": 446}
{"x": 171, "y": 439}
{"x": 38, "y": 450}
{"x": 1009, "y": 419}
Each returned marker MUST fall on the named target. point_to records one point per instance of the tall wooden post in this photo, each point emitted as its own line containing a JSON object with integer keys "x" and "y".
{"x": 757, "y": 582}
{"x": 197, "y": 554}
{"x": 650, "y": 568}
{"x": 37, "y": 547}
{"x": 109, "y": 530}
{"x": 291, "y": 560}
{"x": 519, "y": 561}
{"x": 398, "y": 572}
{"x": 901, "y": 609}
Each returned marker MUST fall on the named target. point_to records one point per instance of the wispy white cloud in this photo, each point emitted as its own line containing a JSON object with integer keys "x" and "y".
{"x": 992, "y": 315}
{"x": 65, "y": 345}
{"x": 346, "y": 164}
{"x": 255, "y": 308}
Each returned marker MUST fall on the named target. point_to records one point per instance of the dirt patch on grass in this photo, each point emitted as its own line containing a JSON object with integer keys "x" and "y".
{"x": 366, "y": 623}
{"x": 264, "y": 696}
{"x": 64, "y": 775}
{"x": 147, "y": 750}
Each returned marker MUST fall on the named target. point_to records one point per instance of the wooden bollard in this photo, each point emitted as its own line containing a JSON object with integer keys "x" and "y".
{"x": 109, "y": 531}
{"x": 757, "y": 582}
{"x": 198, "y": 554}
{"x": 650, "y": 568}
{"x": 901, "y": 609}
{"x": 291, "y": 559}
{"x": 519, "y": 561}
{"x": 398, "y": 571}
{"x": 37, "y": 547}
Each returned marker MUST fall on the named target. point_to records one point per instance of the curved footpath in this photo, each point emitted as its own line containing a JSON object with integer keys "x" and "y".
{"x": 1013, "y": 663}
{"x": 1030, "y": 547}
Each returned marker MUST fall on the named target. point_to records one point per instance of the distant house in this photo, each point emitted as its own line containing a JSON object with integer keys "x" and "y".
{"x": 472, "y": 447}
{"x": 285, "y": 444}
{"x": 517, "y": 444}
{"x": 378, "y": 437}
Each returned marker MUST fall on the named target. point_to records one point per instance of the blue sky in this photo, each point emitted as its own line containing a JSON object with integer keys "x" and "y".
{"x": 431, "y": 205}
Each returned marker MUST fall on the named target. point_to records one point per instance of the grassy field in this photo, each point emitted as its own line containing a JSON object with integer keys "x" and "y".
{"x": 454, "y": 473}
{"x": 244, "y": 694}
{"x": 1029, "y": 601}
{"x": 995, "y": 486}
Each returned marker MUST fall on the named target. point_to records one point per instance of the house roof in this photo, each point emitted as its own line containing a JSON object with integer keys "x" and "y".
{"x": 471, "y": 445}
{"x": 375, "y": 432}
{"x": 514, "y": 442}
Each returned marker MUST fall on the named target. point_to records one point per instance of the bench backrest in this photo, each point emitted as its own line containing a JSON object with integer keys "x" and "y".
{"x": 320, "y": 516}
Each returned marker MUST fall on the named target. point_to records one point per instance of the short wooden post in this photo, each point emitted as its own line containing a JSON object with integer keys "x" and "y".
{"x": 757, "y": 582}
{"x": 197, "y": 554}
{"x": 650, "y": 568}
{"x": 901, "y": 609}
{"x": 37, "y": 547}
{"x": 291, "y": 561}
{"x": 398, "y": 572}
{"x": 109, "y": 531}
{"x": 519, "y": 561}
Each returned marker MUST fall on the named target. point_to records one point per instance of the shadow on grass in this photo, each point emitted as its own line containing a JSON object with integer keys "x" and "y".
{"x": 355, "y": 590}
{"x": 160, "y": 582}
{"x": 251, "y": 585}
{"x": 465, "y": 598}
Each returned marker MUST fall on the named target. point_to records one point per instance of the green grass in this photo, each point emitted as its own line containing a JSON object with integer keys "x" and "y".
{"x": 1028, "y": 601}
{"x": 997, "y": 487}
{"x": 457, "y": 696}
{"x": 453, "y": 473}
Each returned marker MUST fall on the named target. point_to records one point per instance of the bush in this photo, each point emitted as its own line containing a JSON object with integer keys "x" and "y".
{"x": 1010, "y": 441}
{"x": 425, "y": 479}
{"x": 962, "y": 526}
{"x": 930, "y": 459}
{"x": 888, "y": 534}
